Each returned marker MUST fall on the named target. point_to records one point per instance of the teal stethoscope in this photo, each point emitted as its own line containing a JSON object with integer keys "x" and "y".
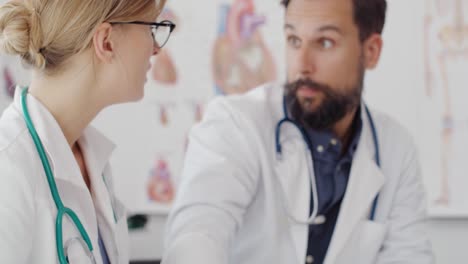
{"x": 314, "y": 218}
{"x": 84, "y": 240}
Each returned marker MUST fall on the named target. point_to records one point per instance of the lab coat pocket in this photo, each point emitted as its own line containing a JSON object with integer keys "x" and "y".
{"x": 365, "y": 243}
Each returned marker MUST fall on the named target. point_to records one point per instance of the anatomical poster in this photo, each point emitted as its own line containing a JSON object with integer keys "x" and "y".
{"x": 218, "y": 48}
{"x": 446, "y": 83}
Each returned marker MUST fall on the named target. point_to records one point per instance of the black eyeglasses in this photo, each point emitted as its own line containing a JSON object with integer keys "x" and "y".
{"x": 161, "y": 31}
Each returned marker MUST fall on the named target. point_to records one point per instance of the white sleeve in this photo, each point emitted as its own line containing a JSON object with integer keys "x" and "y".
{"x": 17, "y": 211}
{"x": 217, "y": 185}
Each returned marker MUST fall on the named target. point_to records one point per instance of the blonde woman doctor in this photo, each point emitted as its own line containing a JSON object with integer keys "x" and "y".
{"x": 56, "y": 198}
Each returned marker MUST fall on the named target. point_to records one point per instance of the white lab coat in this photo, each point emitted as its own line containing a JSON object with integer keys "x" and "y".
{"x": 229, "y": 208}
{"x": 27, "y": 210}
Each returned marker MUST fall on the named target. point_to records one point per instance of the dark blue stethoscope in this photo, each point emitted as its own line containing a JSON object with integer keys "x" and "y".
{"x": 314, "y": 218}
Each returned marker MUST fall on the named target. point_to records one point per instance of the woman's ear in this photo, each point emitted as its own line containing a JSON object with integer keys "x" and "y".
{"x": 372, "y": 50}
{"x": 103, "y": 43}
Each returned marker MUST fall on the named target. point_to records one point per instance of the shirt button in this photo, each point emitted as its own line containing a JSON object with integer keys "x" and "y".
{"x": 333, "y": 142}
{"x": 320, "y": 149}
{"x": 309, "y": 259}
{"x": 320, "y": 220}
{"x": 338, "y": 169}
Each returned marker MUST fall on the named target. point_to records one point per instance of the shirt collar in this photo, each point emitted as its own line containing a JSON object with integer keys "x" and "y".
{"x": 327, "y": 141}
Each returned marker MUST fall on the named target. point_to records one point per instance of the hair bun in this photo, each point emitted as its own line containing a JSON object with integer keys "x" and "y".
{"x": 19, "y": 25}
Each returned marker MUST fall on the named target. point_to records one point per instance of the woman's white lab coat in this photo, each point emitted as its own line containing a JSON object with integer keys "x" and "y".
{"x": 27, "y": 210}
{"x": 230, "y": 208}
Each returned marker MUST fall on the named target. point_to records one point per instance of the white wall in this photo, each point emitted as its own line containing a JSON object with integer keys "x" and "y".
{"x": 449, "y": 240}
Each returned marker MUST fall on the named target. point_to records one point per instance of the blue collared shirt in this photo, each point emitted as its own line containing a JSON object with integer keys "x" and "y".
{"x": 332, "y": 169}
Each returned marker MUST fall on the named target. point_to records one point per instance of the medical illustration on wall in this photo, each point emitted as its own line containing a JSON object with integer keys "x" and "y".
{"x": 241, "y": 59}
{"x": 446, "y": 82}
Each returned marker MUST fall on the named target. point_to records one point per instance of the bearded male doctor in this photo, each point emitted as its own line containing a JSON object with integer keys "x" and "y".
{"x": 304, "y": 172}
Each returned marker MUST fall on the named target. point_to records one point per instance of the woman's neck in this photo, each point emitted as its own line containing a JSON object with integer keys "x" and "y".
{"x": 70, "y": 100}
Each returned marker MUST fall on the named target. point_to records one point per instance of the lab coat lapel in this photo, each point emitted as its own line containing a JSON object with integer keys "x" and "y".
{"x": 293, "y": 189}
{"x": 365, "y": 181}
{"x": 292, "y": 176}
{"x": 53, "y": 140}
{"x": 70, "y": 183}
{"x": 97, "y": 150}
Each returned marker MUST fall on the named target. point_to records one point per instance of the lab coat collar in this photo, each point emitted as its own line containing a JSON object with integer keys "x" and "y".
{"x": 97, "y": 150}
{"x": 95, "y": 146}
{"x": 275, "y": 93}
{"x": 293, "y": 163}
{"x": 365, "y": 182}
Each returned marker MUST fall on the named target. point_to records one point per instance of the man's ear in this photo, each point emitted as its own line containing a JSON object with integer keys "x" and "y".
{"x": 372, "y": 48}
{"x": 103, "y": 43}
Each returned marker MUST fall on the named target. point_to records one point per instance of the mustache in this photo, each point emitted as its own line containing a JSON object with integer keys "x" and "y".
{"x": 333, "y": 107}
{"x": 292, "y": 87}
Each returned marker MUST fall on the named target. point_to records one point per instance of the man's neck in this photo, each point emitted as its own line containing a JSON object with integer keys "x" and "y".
{"x": 344, "y": 129}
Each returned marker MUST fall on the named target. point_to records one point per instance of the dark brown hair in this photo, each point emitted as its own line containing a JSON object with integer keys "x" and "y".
{"x": 369, "y": 16}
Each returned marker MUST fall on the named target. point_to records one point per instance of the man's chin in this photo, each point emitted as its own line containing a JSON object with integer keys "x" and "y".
{"x": 309, "y": 107}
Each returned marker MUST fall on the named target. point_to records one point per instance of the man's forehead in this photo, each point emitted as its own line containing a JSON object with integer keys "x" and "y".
{"x": 308, "y": 8}
{"x": 319, "y": 13}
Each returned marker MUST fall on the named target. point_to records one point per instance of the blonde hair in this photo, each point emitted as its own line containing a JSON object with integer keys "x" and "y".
{"x": 45, "y": 33}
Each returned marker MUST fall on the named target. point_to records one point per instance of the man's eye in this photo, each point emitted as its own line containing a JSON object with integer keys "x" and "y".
{"x": 294, "y": 41}
{"x": 327, "y": 43}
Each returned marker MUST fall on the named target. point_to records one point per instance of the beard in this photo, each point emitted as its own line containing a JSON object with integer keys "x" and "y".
{"x": 335, "y": 105}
